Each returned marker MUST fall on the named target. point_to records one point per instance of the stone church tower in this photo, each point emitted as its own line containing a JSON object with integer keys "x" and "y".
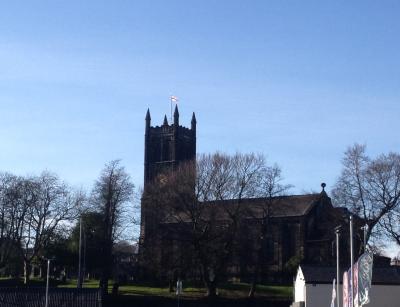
{"x": 167, "y": 145}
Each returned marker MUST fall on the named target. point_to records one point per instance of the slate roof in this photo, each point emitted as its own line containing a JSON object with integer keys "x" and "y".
{"x": 281, "y": 206}
{"x": 284, "y": 206}
{"x": 325, "y": 275}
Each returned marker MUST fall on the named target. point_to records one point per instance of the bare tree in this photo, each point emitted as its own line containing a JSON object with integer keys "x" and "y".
{"x": 201, "y": 205}
{"x": 391, "y": 225}
{"x": 12, "y": 216}
{"x": 112, "y": 191}
{"x": 49, "y": 204}
{"x": 370, "y": 188}
{"x": 32, "y": 210}
{"x": 269, "y": 187}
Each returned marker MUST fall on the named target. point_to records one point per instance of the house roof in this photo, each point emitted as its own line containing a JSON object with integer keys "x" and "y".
{"x": 325, "y": 275}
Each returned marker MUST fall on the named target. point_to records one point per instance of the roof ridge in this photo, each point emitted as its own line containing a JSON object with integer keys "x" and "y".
{"x": 273, "y": 197}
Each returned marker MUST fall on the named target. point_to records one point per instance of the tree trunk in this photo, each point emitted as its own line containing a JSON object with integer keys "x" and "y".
{"x": 255, "y": 275}
{"x": 103, "y": 285}
{"x": 252, "y": 288}
{"x": 105, "y": 275}
{"x": 115, "y": 289}
{"x": 210, "y": 282}
{"x": 211, "y": 287}
{"x": 106, "y": 266}
{"x": 256, "y": 272}
{"x": 27, "y": 271}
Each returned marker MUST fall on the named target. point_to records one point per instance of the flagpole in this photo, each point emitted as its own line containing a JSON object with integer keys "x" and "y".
{"x": 170, "y": 99}
{"x": 351, "y": 261}
{"x": 337, "y": 231}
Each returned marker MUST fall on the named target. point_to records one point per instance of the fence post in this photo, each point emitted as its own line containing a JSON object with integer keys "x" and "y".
{"x": 99, "y": 298}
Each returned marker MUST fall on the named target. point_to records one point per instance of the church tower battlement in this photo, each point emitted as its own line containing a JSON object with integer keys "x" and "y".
{"x": 167, "y": 145}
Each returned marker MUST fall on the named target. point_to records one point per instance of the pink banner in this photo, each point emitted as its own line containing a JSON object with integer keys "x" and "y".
{"x": 355, "y": 284}
{"x": 345, "y": 290}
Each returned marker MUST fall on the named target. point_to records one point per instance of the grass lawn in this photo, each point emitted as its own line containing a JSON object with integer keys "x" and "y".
{"x": 228, "y": 290}
{"x": 236, "y": 290}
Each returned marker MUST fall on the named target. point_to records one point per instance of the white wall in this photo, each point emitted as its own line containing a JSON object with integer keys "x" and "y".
{"x": 384, "y": 296}
{"x": 299, "y": 287}
{"x": 381, "y": 296}
{"x": 318, "y": 295}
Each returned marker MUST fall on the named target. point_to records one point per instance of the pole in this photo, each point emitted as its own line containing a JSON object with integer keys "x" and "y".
{"x": 365, "y": 237}
{"x": 351, "y": 261}
{"x": 337, "y": 231}
{"x": 179, "y": 289}
{"x": 84, "y": 258}
{"x": 80, "y": 255}
{"x": 170, "y": 100}
{"x": 47, "y": 283}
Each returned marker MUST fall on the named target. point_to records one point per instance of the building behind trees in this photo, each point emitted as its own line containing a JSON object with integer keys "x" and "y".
{"x": 221, "y": 233}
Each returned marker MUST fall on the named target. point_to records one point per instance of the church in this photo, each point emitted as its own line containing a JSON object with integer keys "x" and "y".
{"x": 300, "y": 231}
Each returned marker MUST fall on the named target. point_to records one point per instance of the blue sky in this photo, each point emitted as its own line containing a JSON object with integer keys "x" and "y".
{"x": 296, "y": 80}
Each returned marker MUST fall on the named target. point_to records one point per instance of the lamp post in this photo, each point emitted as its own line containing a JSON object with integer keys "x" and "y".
{"x": 179, "y": 289}
{"x": 365, "y": 229}
{"x": 47, "y": 282}
{"x": 80, "y": 255}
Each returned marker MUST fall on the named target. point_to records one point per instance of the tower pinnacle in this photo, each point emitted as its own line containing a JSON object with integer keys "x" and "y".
{"x": 194, "y": 121}
{"x": 148, "y": 119}
{"x": 176, "y": 116}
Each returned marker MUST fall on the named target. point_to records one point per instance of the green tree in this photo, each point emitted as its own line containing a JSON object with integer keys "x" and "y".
{"x": 112, "y": 192}
{"x": 93, "y": 236}
{"x": 33, "y": 210}
{"x": 50, "y": 204}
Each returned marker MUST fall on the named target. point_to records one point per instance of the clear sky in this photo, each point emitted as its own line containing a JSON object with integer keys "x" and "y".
{"x": 297, "y": 80}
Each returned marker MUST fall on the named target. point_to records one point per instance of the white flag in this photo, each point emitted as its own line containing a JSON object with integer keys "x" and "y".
{"x": 333, "y": 293}
{"x": 174, "y": 98}
{"x": 365, "y": 264}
